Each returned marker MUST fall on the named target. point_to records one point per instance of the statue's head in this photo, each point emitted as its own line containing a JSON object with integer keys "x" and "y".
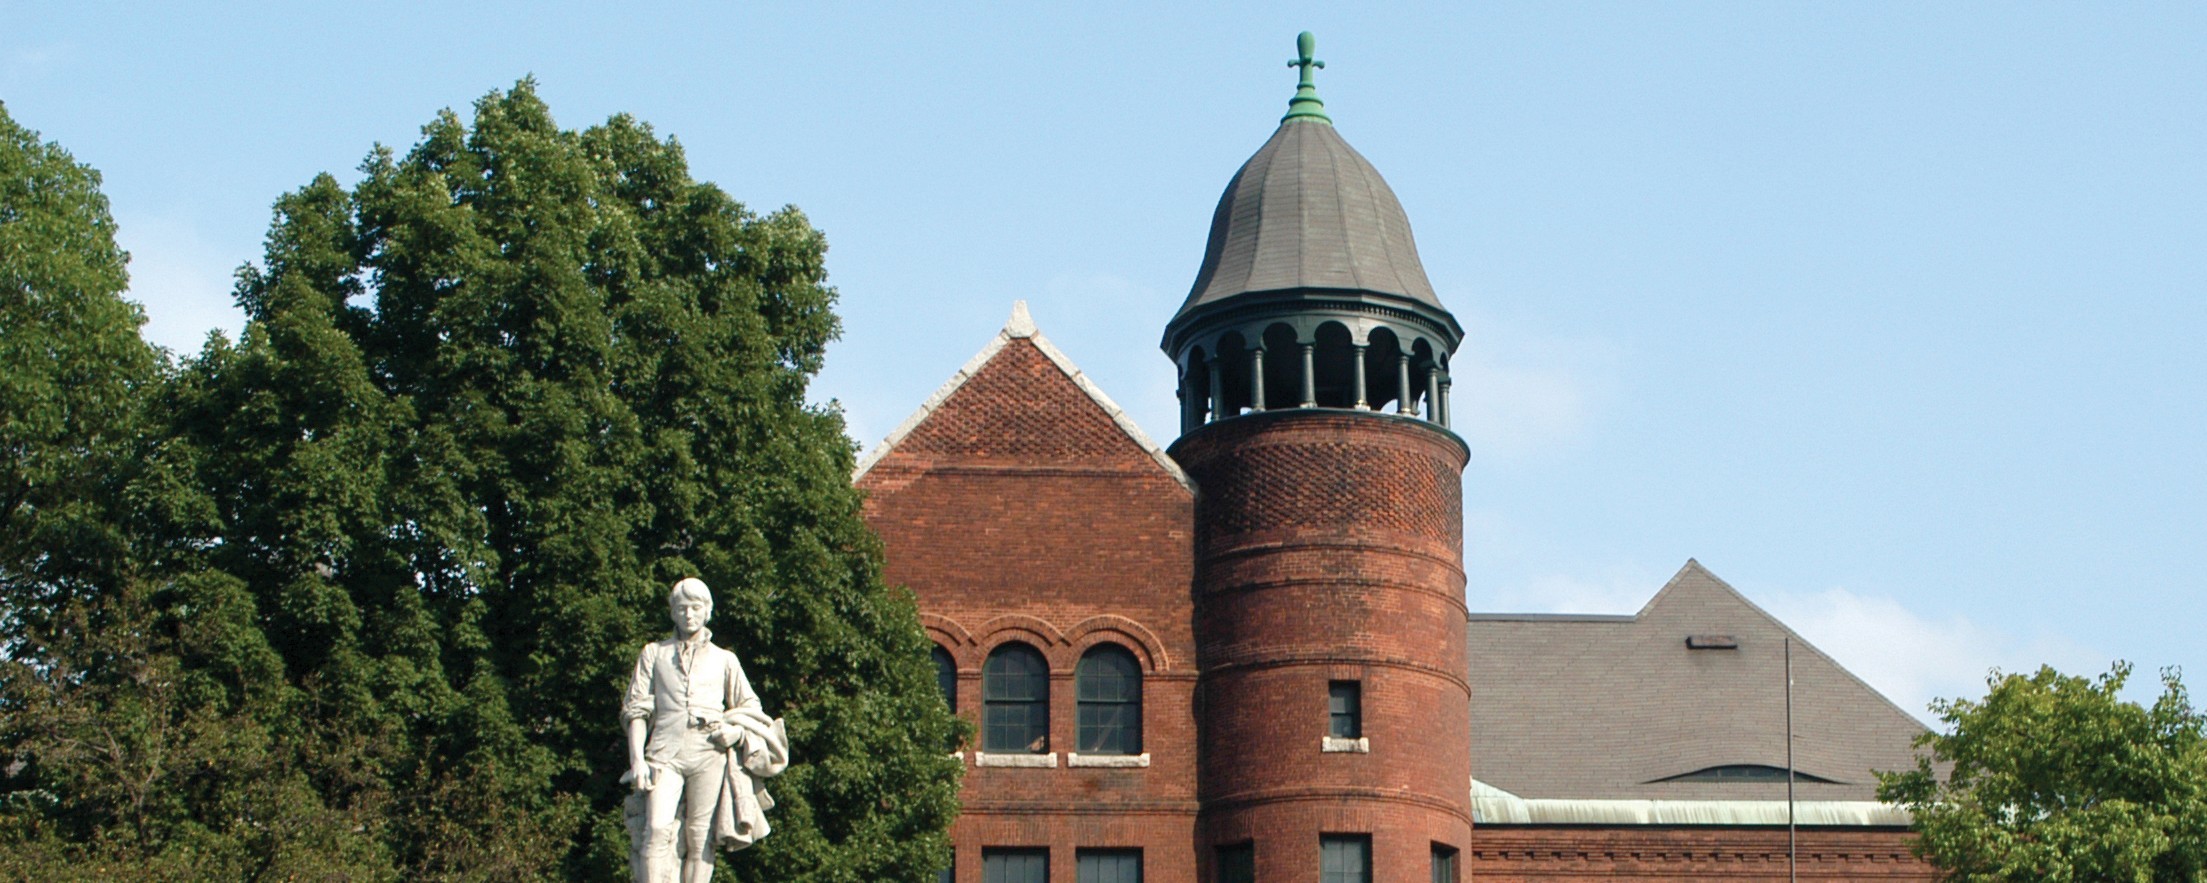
{"x": 691, "y": 604}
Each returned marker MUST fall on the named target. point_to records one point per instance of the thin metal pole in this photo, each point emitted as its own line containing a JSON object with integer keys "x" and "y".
{"x": 1793, "y": 855}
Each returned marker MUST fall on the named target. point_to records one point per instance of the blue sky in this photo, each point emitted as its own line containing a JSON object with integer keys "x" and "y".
{"x": 1893, "y": 315}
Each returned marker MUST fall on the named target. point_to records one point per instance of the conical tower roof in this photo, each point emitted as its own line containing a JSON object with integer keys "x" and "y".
{"x": 1309, "y": 212}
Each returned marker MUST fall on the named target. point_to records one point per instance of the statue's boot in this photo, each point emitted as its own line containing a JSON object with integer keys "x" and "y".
{"x": 694, "y": 871}
{"x": 661, "y": 864}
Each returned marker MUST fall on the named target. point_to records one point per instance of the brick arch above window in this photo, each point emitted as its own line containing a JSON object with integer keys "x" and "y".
{"x": 1002, "y": 628}
{"x": 951, "y": 635}
{"x": 1109, "y": 628}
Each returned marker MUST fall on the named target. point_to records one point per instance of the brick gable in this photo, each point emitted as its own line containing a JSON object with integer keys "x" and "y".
{"x": 1021, "y": 409}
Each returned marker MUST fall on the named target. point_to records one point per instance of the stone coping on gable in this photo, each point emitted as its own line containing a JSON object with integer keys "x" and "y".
{"x": 1021, "y": 326}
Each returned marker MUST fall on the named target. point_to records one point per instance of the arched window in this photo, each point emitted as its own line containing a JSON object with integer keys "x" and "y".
{"x": 1108, "y": 683}
{"x": 946, "y": 676}
{"x": 1015, "y": 701}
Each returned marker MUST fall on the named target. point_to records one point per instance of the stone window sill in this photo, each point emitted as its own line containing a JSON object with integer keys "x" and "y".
{"x": 1118, "y": 761}
{"x": 1039, "y": 761}
{"x": 1359, "y": 745}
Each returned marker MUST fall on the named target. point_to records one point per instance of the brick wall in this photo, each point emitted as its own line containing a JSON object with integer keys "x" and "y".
{"x": 1019, "y": 511}
{"x": 1535, "y": 854}
{"x": 1329, "y": 547}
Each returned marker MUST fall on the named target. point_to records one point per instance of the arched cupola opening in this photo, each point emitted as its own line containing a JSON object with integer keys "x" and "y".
{"x": 1315, "y": 357}
{"x": 1384, "y": 369}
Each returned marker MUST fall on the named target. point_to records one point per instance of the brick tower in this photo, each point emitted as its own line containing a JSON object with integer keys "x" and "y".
{"x": 1332, "y": 709}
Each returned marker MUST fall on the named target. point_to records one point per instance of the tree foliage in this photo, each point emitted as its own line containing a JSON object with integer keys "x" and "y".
{"x": 402, "y": 539}
{"x": 70, "y": 394}
{"x": 2054, "y": 778}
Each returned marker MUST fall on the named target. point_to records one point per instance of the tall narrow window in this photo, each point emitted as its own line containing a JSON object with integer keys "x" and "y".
{"x": 1444, "y": 863}
{"x": 1015, "y": 866}
{"x": 1345, "y": 858}
{"x": 946, "y": 676}
{"x": 1109, "y": 866}
{"x": 1236, "y": 863}
{"x": 1015, "y": 699}
{"x": 1109, "y": 684}
{"x": 949, "y": 874}
{"x": 1344, "y": 709}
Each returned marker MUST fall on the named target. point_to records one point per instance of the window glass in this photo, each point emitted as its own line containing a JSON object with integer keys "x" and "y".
{"x": 1344, "y": 709}
{"x": 1109, "y": 866}
{"x": 946, "y": 676}
{"x": 1015, "y": 699}
{"x": 1236, "y": 863}
{"x": 1345, "y": 858}
{"x": 1108, "y": 683}
{"x": 1015, "y": 866}
{"x": 1444, "y": 863}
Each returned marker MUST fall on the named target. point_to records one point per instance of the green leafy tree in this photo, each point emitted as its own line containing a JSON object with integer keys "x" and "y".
{"x": 2054, "y": 778}
{"x": 133, "y": 689}
{"x": 72, "y": 368}
{"x": 489, "y": 403}
{"x": 355, "y": 596}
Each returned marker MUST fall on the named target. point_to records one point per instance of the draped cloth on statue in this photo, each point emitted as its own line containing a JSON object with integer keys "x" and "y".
{"x": 740, "y": 817}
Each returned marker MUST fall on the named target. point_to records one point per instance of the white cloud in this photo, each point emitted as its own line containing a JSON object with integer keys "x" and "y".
{"x": 182, "y": 280}
{"x": 1518, "y": 392}
{"x": 1913, "y": 659}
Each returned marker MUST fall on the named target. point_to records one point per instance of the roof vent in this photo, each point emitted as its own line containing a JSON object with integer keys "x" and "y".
{"x": 1712, "y": 642}
{"x": 1744, "y": 772}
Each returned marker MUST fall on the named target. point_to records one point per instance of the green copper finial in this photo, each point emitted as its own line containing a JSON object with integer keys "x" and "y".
{"x": 1305, "y": 104}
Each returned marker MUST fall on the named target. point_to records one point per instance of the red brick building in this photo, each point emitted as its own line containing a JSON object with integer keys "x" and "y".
{"x": 1249, "y": 657}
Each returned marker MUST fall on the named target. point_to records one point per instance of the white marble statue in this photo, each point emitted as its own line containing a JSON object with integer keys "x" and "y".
{"x": 699, "y": 746}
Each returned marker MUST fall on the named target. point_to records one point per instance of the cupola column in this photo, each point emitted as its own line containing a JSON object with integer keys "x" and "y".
{"x": 1195, "y": 402}
{"x": 1310, "y": 375}
{"x": 1218, "y": 392}
{"x": 1445, "y": 382}
{"x": 1256, "y": 379}
{"x": 1404, "y": 395}
{"x": 1433, "y": 394}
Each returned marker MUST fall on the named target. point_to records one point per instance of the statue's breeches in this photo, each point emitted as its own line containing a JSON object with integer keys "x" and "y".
{"x": 688, "y": 782}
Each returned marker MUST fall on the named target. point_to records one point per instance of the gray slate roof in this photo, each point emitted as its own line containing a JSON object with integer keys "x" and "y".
{"x": 1599, "y": 707}
{"x": 1307, "y": 211}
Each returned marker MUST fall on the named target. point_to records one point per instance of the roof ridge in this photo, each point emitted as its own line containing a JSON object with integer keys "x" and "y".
{"x": 1021, "y": 326}
{"x": 1693, "y": 566}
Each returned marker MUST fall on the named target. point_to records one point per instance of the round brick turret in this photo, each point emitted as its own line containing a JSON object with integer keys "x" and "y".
{"x": 1329, "y": 548}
